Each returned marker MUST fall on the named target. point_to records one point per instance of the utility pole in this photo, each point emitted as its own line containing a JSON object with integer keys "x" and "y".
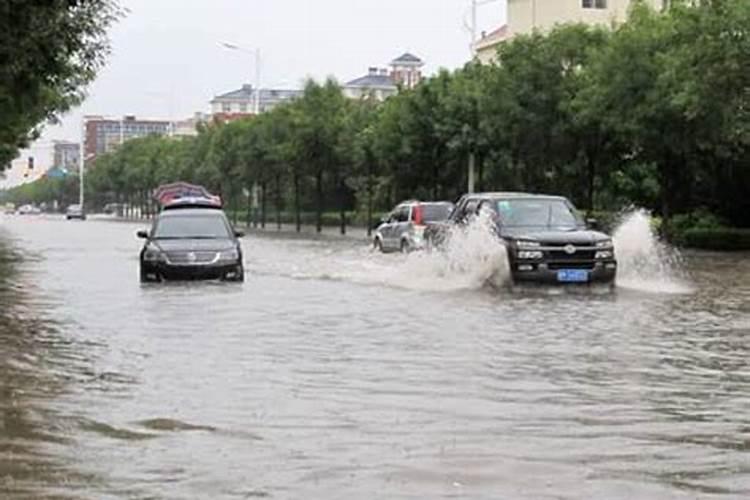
{"x": 231, "y": 46}
{"x": 257, "y": 82}
{"x": 470, "y": 174}
{"x": 474, "y": 6}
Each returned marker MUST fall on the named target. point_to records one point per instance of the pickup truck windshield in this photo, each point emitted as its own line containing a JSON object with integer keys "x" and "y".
{"x": 548, "y": 213}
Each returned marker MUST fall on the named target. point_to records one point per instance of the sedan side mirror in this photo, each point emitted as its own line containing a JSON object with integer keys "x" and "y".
{"x": 239, "y": 234}
{"x": 592, "y": 223}
{"x": 142, "y": 234}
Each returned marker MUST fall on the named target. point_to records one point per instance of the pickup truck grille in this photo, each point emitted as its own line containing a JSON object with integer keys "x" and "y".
{"x": 578, "y": 255}
{"x": 556, "y": 266}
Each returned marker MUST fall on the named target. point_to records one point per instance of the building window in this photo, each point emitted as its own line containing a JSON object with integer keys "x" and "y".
{"x": 594, "y": 4}
{"x": 226, "y": 107}
{"x": 243, "y": 107}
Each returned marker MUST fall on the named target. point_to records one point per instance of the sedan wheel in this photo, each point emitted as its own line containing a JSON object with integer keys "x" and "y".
{"x": 149, "y": 277}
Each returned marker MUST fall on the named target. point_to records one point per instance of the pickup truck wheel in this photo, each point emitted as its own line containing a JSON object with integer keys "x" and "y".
{"x": 405, "y": 247}
{"x": 378, "y": 245}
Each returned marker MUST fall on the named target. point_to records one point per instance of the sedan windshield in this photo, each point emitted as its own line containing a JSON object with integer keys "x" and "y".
{"x": 209, "y": 226}
{"x": 549, "y": 213}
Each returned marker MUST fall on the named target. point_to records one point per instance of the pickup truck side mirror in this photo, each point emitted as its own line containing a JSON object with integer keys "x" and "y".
{"x": 142, "y": 234}
{"x": 592, "y": 223}
{"x": 239, "y": 234}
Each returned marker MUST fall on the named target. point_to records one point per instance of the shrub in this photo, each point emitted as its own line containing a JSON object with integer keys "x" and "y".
{"x": 721, "y": 238}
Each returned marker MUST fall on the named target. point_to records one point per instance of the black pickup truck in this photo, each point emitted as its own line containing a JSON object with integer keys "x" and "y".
{"x": 546, "y": 240}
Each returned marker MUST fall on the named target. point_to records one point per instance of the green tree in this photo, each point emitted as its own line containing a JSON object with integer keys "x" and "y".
{"x": 49, "y": 51}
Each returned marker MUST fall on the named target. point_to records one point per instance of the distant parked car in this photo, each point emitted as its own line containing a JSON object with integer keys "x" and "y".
{"x": 75, "y": 212}
{"x": 404, "y": 228}
{"x": 28, "y": 210}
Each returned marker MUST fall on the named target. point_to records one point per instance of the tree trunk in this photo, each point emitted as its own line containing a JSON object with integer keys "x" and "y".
{"x": 480, "y": 173}
{"x": 263, "y": 205}
{"x": 278, "y": 202}
{"x": 667, "y": 194}
{"x": 434, "y": 180}
{"x": 297, "y": 209}
{"x": 319, "y": 207}
{"x": 591, "y": 172}
{"x": 342, "y": 208}
{"x": 235, "y": 209}
{"x": 369, "y": 198}
{"x": 249, "y": 208}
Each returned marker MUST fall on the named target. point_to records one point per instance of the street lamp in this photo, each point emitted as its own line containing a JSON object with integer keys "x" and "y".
{"x": 256, "y": 52}
{"x": 475, "y": 4}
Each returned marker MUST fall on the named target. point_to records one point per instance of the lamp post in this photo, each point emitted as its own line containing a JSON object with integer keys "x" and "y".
{"x": 82, "y": 157}
{"x": 81, "y": 161}
{"x": 475, "y": 4}
{"x": 256, "y": 53}
{"x": 256, "y": 105}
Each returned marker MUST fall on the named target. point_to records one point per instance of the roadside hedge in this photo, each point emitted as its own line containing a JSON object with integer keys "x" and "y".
{"x": 726, "y": 239}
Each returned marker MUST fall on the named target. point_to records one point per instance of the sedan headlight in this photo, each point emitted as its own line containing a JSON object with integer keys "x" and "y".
{"x": 153, "y": 254}
{"x": 527, "y": 244}
{"x": 229, "y": 255}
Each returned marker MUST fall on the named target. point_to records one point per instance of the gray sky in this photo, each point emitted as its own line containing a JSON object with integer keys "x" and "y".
{"x": 166, "y": 60}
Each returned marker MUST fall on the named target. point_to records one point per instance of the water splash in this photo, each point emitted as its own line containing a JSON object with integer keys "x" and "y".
{"x": 471, "y": 257}
{"x": 645, "y": 262}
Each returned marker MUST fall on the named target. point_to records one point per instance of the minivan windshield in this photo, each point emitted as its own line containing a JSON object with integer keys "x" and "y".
{"x": 208, "y": 226}
{"x": 548, "y": 213}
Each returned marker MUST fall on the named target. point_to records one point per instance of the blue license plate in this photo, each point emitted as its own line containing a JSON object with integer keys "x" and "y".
{"x": 573, "y": 276}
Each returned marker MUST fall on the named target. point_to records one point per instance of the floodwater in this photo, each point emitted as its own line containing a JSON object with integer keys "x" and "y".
{"x": 337, "y": 373}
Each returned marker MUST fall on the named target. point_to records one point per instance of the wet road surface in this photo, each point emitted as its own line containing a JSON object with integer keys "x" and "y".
{"x": 337, "y": 373}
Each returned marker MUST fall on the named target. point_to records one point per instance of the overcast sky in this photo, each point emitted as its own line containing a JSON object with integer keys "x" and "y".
{"x": 167, "y": 61}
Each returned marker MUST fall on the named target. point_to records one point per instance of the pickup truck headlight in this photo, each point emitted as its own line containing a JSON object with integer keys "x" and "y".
{"x": 530, "y": 255}
{"x": 528, "y": 244}
{"x": 605, "y": 254}
{"x": 604, "y": 244}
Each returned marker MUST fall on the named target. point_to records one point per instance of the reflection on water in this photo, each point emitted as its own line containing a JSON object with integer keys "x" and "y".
{"x": 35, "y": 366}
{"x": 330, "y": 375}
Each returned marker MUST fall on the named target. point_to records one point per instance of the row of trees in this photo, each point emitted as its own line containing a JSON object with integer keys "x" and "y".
{"x": 653, "y": 112}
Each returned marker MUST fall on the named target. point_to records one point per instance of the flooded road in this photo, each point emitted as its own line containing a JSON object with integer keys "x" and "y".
{"x": 337, "y": 373}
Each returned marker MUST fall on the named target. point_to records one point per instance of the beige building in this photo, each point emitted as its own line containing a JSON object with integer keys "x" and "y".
{"x": 525, "y": 16}
{"x": 382, "y": 83}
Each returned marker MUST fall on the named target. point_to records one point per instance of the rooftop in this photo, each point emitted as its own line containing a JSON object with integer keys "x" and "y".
{"x": 374, "y": 79}
{"x": 408, "y": 59}
{"x": 247, "y": 93}
{"x": 492, "y": 38}
{"x": 243, "y": 93}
